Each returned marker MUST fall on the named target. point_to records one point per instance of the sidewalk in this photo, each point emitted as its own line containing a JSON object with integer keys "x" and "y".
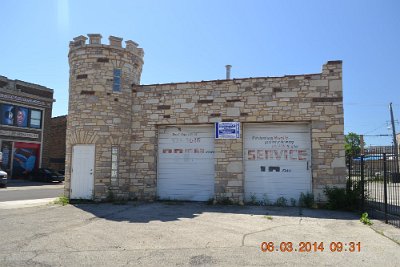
{"x": 388, "y": 230}
{"x": 6, "y": 205}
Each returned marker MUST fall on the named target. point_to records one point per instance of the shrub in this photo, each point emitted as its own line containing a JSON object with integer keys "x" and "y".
{"x": 281, "y": 202}
{"x": 110, "y": 196}
{"x": 253, "y": 199}
{"x": 344, "y": 198}
{"x": 306, "y": 200}
{"x": 337, "y": 198}
{"x": 224, "y": 201}
{"x": 266, "y": 201}
{"x": 293, "y": 202}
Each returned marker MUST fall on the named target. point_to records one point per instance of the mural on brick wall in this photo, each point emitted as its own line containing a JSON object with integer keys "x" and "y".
{"x": 26, "y": 157}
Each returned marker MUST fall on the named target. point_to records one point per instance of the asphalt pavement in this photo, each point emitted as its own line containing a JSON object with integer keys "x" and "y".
{"x": 27, "y": 190}
{"x": 191, "y": 234}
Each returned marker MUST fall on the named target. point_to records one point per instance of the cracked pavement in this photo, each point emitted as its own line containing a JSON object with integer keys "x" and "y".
{"x": 183, "y": 234}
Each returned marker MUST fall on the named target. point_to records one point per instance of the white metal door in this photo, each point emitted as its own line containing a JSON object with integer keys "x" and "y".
{"x": 82, "y": 181}
{"x": 186, "y": 163}
{"x": 277, "y": 161}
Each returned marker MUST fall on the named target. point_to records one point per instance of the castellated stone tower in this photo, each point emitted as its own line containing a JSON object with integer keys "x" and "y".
{"x": 99, "y": 132}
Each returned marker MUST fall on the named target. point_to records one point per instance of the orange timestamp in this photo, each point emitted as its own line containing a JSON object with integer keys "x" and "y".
{"x": 311, "y": 247}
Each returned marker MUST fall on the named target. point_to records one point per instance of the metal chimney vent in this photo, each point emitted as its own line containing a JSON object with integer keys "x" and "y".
{"x": 228, "y": 72}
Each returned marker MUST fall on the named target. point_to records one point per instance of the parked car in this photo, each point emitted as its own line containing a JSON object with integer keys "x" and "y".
{"x": 47, "y": 175}
{"x": 3, "y": 178}
{"x": 370, "y": 157}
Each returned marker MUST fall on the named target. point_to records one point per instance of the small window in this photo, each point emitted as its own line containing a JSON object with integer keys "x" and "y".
{"x": 36, "y": 119}
{"x": 114, "y": 163}
{"x": 117, "y": 80}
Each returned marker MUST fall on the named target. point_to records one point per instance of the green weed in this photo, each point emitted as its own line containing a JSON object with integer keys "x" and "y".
{"x": 62, "y": 201}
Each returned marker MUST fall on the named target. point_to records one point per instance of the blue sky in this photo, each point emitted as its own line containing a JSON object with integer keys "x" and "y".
{"x": 193, "y": 40}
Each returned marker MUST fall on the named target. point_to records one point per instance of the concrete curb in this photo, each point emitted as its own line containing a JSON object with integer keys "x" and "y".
{"x": 39, "y": 187}
{"x": 387, "y": 230}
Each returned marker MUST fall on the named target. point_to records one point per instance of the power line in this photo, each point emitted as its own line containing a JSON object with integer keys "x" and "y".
{"x": 384, "y": 125}
{"x": 367, "y": 104}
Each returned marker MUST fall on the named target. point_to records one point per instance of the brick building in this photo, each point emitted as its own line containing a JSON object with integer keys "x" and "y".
{"x": 58, "y": 130}
{"x": 242, "y": 139}
{"x": 25, "y": 114}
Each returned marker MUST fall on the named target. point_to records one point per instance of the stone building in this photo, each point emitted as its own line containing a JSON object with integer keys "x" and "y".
{"x": 25, "y": 114}
{"x": 245, "y": 139}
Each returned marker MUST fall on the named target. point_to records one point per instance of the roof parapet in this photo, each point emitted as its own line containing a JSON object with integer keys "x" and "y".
{"x": 115, "y": 42}
{"x": 95, "y": 38}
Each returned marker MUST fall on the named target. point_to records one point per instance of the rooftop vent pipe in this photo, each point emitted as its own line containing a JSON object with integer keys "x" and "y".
{"x": 228, "y": 72}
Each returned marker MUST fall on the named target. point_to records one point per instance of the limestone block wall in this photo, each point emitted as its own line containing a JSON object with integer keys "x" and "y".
{"x": 229, "y": 169}
{"x": 98, "y": 114}
{"x": 314, "y": 98}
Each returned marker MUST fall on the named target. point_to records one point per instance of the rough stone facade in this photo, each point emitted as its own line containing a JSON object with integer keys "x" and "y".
{"x": 97, "y": 114}
{"x": 131, "y": 118}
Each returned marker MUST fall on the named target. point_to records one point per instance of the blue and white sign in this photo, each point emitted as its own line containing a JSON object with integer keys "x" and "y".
{"x": 227, "y": 130}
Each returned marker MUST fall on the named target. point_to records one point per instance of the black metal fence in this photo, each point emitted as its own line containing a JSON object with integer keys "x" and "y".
{"x": 376, "y": 174}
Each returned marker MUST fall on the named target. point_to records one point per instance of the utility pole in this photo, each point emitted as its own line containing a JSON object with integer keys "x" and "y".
{"x": 396, "y": 151}
{"x": 362, "y": 144}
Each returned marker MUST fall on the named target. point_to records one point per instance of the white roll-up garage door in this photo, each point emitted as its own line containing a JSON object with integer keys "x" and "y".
{"x": 186, "y": 163}
{"x": 277, "y": 161}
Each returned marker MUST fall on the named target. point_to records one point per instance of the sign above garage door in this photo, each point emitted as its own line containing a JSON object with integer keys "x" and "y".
{"x": 227, "y": 130}
{"x": 277, "y": 161}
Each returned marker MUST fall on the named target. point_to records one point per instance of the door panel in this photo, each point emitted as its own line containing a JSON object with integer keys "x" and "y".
{"x": 82, "y": 173}
{"x": 277, "y": 161}
{"x": 186, "y": 163}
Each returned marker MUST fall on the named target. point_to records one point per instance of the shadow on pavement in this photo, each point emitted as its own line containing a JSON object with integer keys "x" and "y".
{"x": 165, "y": 211}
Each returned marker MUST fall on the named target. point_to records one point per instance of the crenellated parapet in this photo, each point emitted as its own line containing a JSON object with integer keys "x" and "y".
{"x": 114, "y": 43}
{"x": 88, "y": 57}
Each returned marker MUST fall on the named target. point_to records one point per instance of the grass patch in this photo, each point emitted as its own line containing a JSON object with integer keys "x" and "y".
{"x": 62, "y": 201}
{"x": 268, "y": 217}
{"x": 365, "y": 220}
